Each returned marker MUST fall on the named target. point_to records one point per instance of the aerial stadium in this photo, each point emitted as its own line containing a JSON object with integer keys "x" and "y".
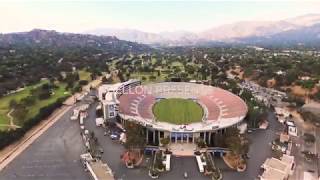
{"x": 181, "y": 111}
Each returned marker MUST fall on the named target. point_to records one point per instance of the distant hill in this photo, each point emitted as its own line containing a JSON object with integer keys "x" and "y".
{"x": 238, "y": 30}
{"x": 128, "y": 34}
{"x": 53, "y": 39}
{"x": 164, "y": 38}
{"x": 304, "y": 36}
{"x": 229, "y": 33}
{"x": 27, "y": 57}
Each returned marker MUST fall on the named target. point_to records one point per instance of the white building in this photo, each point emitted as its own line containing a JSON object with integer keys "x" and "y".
{"x": 305, "y": 78}
{"x": 280, "y": 72}
{"x": 292, "y": 128}
{"x": 97, "y": 169}
{"x": 108, "y": 94}
{"x": 276, "y": 169}
{"x": 282, "y": 114}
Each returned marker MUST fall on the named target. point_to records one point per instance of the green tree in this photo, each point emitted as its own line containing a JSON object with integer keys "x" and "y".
{"x": 20, "y": 112}
{"x": 165, "y": 141}
{"x": 238, "y": 144}
{"x": 309, "y": 138}
{"x": 13, "y": 103}
{"x": 136, "y": 137}
{"x": 29, "y": 100}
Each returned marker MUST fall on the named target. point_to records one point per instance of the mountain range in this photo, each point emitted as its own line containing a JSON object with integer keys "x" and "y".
{"x": 292, "y": 30}
{"x": 53, "y": 39}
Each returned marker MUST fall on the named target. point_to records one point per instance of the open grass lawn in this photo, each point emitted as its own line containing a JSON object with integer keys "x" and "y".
{"x": 57, "y": 93}
{"x": 147, "y": 75}
{"x": 178, "y": 111}
{"x": 177, "y": 64}
{"x": 4, "y": 102}
{"x": 84, "y": 75}
{"x": 32, "y": 110}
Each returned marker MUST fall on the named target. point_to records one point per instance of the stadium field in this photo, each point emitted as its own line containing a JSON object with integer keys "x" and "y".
{"x": 177, "y": 111}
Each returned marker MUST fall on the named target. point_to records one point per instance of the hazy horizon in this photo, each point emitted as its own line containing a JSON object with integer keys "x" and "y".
{"x": 152, "y": 17}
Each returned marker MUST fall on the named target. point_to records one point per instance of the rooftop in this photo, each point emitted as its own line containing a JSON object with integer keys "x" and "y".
{"x": 275, "y": 164}
{"x": 97, "y": 169}
{"x": 101, "y": 170}
{"x": 275, "y": 169}
{"x": 273, "y": 174}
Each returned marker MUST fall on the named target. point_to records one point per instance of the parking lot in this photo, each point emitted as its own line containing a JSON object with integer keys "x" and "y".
{"x": 55, "y": 155}
{"x": 260, "y": 142}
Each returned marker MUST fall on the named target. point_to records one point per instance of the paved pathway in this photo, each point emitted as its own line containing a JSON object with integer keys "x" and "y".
{"x": 12, "y": 125}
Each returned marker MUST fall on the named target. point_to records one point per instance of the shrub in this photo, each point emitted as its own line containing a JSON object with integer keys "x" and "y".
{"x": 44, "y": 95}
{"x": 309, "y": 138}
{"x": 165, "y": 141}
{"x": 77, "y": 88}
{"x": 200, "y": 143}
{"x": 83, "y": 82}
{"x": 29, "y": 100}
{"x": 13, "y": 103}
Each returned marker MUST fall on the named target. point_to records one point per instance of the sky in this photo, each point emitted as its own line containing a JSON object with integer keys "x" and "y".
{"x": 149, "y": 16}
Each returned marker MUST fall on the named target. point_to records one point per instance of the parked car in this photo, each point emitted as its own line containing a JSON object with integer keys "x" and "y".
{"x": 114, "y": 136}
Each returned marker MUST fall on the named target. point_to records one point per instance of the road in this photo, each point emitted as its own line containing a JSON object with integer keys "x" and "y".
{"x": 299, "y": 145}
{"x": 54, "y": 155}
{"x": 260, "y": 150}
{"x": 318, "y": 148}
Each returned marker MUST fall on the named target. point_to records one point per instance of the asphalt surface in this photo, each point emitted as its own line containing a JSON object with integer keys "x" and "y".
{"x": 54, "y": 155}
{"x": 318, "y": 149}
{"x": 113, "y": 151}
{"x": 260, "y": 150}
{"x": 299, "y": 145}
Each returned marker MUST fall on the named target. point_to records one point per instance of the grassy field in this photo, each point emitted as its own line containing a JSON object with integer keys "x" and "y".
{"x": 84, "y": 75}
{"x": 4, "y": 103}
{"x": 32, "y": 110}
{"x": 178, "y": 111}
{"x": 57, "y": 93}
{"x": 177, "y": 64}
{"x": 147, "y": 76}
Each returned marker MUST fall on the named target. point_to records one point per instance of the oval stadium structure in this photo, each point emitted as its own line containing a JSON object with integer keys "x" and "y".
{"x": 220, "y": 109}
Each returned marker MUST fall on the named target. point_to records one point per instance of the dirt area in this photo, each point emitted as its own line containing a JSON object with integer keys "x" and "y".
{"x": 12, "y": 125}
{"x": 271, "y": 83}
{"x": 115, "y": 77}
{"x": 231, "y": 160}
{"x": 133, "y": 156}
{"x": 299, "y": 119}
{"x": 300, "y": 91}
{"x": 237, "y": 71}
